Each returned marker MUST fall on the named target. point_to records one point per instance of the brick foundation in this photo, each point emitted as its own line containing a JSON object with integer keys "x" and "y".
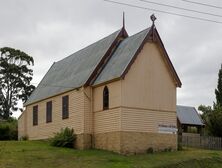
{"x": 108, "y": 141}
{"x": 139, "y": 142}
{"x": 83, "y": 141}
{"x": 134, "y": 142}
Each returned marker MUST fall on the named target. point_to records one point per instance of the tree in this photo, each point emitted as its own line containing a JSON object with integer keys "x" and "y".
{"x": 212, "y": 116}
{"x": 15, "y": 78}
{"x": 206, "y": 111}
{"x": 1, "y": 104}
{"x": 218, "y": 91}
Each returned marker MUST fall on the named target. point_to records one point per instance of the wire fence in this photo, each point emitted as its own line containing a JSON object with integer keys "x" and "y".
{"x": 203, "y": 142}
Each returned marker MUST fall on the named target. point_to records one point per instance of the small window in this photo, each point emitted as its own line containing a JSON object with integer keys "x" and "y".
{"x": 105, "y": 98}
{"x": 35, "y": 115}
{"x": 49, "y": 112}
{"x": 65, "y": 107}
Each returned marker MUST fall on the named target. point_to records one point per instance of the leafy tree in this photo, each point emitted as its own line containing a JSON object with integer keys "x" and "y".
{"x": 9, "y": 129}
{"x": 212, "y": 116}
{"x": 206, "y": 110}
{"x": 1, "y": 104}
{"x": 218, "y": 91}
{"x": 215, "y": 122}
{"x": 15, "y": 77}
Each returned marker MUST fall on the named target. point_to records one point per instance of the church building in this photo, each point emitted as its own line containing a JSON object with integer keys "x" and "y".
{"x": 118, "y": 94}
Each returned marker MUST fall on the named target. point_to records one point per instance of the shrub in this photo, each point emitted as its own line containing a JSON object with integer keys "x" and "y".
{"x": 9, "y": 130}
{"x": 150, "y": 150}
{"x": 65, "y": 138}
{"x": 179, "y": 147}
{"x": 24, "y": 138}
{"x": 168, "y": 149}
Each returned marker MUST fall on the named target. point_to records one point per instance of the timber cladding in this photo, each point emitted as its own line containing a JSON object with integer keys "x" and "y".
{"x": 148, "y": 83}
{"x": 22, "y": 125}
{"x": 145, "y": 120}
{"x": 79, "y": 118}
{"x": 46, "y": 129}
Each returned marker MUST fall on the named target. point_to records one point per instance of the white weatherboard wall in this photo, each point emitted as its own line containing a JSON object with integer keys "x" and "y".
{"x": 148, "y": 93}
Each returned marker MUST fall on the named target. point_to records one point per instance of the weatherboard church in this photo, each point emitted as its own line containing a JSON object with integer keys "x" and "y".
{"x": 118, "y": 94}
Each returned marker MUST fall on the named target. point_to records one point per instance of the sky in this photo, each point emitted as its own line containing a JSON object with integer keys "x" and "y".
{"x": 50, "y": 30}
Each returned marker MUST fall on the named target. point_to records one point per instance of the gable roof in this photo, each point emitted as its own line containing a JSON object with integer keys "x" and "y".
{"x": 126, "y": 53}
{"x": 188, "y": 115}
{"x": 122, "y": 57}
{"x": 103, "y": 61}
{"x": 73, "y": 71}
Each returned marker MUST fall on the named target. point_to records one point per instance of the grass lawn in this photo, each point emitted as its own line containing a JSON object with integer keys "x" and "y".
{"x": 36, "y": 154}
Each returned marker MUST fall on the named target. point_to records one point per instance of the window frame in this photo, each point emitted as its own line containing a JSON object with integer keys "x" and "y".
{"x": 35, "y": 115}
{"x": 65, "y": 107}
{"x": 49, "y": 112}
{"x": 105, "y": 98}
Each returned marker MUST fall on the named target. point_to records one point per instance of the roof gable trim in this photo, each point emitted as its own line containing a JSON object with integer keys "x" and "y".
{"x": 135, "y": 55}
{"x": 154, "y": 36}
{"x": 122, "y": 35}
{"x": 166, "y": 56}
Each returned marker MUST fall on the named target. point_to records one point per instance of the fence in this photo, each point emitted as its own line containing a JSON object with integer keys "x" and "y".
{"x": 205, "y": 142}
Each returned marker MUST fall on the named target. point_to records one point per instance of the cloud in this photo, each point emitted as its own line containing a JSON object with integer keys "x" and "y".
{"x": 50, "y": 30}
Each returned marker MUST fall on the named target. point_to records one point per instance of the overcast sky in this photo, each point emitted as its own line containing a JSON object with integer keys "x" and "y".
{"x": 50, "y": 30}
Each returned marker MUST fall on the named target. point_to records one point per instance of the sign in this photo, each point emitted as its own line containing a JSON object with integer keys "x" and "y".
{"x": 167, "y": 129}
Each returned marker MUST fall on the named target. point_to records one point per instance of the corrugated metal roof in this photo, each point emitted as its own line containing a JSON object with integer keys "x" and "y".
{"x": 188, "y": 115}
{"x": 121, "y": 57}
{"x": 72, "y": 71}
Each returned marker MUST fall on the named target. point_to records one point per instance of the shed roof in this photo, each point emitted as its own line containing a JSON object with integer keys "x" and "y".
{"x": 188, "y": 115}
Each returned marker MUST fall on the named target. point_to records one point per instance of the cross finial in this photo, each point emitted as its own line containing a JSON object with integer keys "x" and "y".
{"x": 153, "y": 18}
{"x": 123, "y": 19}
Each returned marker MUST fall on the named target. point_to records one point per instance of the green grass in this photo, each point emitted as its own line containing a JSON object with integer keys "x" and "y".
{"x": 36, "y": 154}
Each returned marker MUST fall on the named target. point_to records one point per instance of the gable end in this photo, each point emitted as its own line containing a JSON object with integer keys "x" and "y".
{"x": 153, "y": 36}
{"x": 166, "y": 56}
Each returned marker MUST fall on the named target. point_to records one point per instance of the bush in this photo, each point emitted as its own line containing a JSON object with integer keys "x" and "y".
{"x": 150, "y": 150}
{"x": 24, "y": 138}
{"x": 179, "y": 147}
{"x": 9, "y": 130}
{"x": 65, "y": 138}
{"x": 168, "y": 149}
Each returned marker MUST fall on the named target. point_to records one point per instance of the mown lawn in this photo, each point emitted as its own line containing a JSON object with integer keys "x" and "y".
{"x": 36, "y": 154}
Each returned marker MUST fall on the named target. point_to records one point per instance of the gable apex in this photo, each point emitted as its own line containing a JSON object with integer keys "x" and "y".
{"x": 154, "y": 36}
{"x": 127, "y": 52}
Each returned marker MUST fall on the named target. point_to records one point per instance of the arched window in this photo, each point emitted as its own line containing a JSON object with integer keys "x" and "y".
{"x": 105, "y": 98}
